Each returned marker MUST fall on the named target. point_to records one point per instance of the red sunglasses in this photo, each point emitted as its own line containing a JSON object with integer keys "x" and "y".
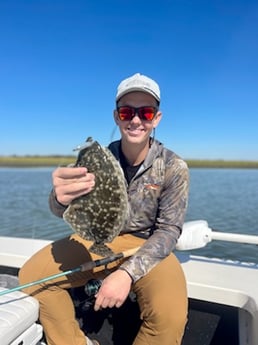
{"x": 127, "y": 113}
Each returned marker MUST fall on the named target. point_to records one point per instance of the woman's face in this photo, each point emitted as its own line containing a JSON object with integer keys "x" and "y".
{"x": 137, "y": 130}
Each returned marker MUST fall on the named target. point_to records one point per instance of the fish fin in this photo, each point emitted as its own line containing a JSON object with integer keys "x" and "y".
{"x": 101, "y": 249}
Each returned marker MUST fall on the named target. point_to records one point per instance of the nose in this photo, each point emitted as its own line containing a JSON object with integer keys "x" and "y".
{"x": 136, "y": 118}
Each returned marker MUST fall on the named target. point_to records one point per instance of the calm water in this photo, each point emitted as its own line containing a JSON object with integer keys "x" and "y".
{"x": 226, "y": 198}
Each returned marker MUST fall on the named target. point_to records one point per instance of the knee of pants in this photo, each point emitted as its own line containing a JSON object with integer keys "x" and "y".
{"x": 162, "y": 295}
{"x": 25, "y": 276}
{"x": 31, "y": 272}
{"x": 22, "y": 274}
{"x": 165, "y": 311}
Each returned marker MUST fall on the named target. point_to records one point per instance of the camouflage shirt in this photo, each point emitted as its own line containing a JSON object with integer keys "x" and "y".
{"x": 158, "y": 196}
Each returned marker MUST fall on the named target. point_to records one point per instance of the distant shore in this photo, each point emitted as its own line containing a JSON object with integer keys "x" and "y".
{"x": 55, "y": 160}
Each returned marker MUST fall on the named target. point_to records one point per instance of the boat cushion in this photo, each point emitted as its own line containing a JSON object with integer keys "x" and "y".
{"x": 18, "y": 313}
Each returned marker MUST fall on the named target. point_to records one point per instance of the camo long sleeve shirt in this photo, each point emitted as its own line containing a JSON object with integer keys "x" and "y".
{"x": 158, "y": 197}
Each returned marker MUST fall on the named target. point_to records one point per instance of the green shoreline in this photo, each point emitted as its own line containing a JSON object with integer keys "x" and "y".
{"x": 55, "y": 160}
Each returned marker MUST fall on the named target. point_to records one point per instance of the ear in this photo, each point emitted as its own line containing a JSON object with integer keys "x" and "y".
{"x": 115, "y": 116}
{"x": 157, "y": 119}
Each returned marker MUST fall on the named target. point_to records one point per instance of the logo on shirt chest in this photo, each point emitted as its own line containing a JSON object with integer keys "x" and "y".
{"x": 152, "y": 186}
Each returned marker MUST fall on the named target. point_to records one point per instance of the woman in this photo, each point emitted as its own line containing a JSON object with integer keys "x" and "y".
{"x": 157, "y": 182}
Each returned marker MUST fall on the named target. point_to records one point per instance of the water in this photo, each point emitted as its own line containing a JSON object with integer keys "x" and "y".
{"x": 226, "y": 198}
{"x": 24, "y": 208}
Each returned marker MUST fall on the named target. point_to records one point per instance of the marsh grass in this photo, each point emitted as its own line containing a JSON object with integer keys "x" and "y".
{"x": 35, "y": 161}
{"x": 197, "y": 163}
{"x": 54, "y": 161}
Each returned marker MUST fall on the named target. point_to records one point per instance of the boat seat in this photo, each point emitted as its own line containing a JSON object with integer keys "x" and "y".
{"x": 18, "y": 319}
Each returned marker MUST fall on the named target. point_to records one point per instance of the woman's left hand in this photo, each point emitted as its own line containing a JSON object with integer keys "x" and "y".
{"x": 114, "y": 290}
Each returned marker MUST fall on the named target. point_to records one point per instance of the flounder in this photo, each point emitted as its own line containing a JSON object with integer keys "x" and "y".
{"x": 99, "y": 216}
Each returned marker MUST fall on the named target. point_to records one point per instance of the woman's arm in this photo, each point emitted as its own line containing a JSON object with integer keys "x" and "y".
{"x": 169, "y": 221}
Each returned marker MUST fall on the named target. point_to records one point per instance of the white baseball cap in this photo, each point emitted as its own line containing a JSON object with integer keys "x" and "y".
{"x": 138, "y": 82}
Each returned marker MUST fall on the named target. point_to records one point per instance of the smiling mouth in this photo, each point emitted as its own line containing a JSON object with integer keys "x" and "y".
{"x": 135, "y": 129}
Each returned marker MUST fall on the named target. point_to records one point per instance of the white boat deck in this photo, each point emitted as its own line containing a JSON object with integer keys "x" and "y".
{"x": 227, "y": 283}
{"x": 213, "y": 280}
{"x": 14, "y": 251}
{"x": 222, "y": 281}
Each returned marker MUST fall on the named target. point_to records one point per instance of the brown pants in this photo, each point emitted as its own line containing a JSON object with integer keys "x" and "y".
{"x": 161, "y": 294}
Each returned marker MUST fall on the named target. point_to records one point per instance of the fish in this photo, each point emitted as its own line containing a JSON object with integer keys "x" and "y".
{"x": 99, "y": 215}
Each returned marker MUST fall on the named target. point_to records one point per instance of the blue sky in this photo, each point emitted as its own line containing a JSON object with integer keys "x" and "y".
{"x": 61, "y": 61}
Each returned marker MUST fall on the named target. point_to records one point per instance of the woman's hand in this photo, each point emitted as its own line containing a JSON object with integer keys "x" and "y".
{"x": 70, "y": 183}
{"x": 114, "y": 290}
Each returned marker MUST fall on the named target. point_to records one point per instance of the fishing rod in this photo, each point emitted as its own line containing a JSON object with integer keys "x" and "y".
{"x": 197, "y": 234}
{"x": 82, "y": 268}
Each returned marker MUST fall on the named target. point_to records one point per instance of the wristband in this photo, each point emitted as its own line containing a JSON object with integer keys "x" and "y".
{"x": 123, "y": 269}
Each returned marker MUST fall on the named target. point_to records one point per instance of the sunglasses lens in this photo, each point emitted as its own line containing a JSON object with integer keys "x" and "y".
{"x": 125, "y": 113}
{"x": 146, "y": 113}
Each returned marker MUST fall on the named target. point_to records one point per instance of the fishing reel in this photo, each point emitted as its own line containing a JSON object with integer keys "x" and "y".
{"x": 92, "y": 287}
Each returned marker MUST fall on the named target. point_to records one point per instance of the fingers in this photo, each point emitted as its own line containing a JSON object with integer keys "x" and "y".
{"x": 69, "y": 172}
{"x": 102, "y": 301}
{"x": 97, "y": 307}
{"x": 118, "y": 304}
{"x": 70, "y": 183}
{"x": 107, "y": 303}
